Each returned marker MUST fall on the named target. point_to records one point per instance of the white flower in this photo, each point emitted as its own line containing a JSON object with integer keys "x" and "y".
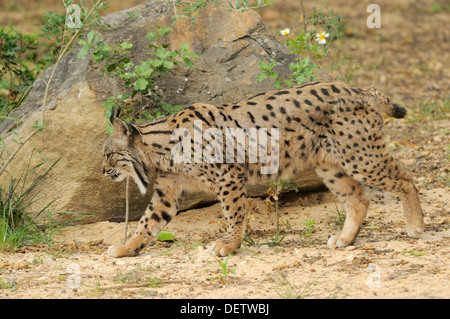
{"x": 321, "y": 37}
{"x": 285, "y": 32}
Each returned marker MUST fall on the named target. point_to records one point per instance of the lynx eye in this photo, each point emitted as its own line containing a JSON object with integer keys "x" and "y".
{"x": 108, "y": 156}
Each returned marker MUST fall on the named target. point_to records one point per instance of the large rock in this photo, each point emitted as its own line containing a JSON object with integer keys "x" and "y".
{"x": 230, "y": 45}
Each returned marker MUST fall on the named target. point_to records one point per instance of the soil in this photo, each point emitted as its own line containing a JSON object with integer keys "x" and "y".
{"x": 406, "y": 58}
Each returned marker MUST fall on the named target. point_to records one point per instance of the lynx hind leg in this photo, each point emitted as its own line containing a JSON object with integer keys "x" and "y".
{"x": 351, "y": 194}
{"x": 394, "y": 178}
{"x": 160, "y": 211}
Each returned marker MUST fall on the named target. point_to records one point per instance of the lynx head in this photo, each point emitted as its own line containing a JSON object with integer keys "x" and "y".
{"x": 121, "y": 155}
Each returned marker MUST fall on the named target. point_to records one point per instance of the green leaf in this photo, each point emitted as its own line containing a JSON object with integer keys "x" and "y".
{"x": 83, "y": 52}
{"x": 90, "y": 36}
{"x": 152, "y": 35}
{"x": 261, "y": 77}
{"x": 188, "y": 62}
{"x": 109, "y": 129}
{"x": 168, "y": 64}
{"x": 111, "y": 67}
{"x": 125, "y": 45}
{"x": 165, "y": 235}
{"x": 140, "y": 84}
{"x": 144, "y": 69}
{"x": 164, "y": 30}
{"x": 184, "y": 47}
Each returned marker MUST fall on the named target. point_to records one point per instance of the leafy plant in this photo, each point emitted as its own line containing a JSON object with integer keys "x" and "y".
{"x": 18, "y": 225}
{"x": 274, "y": 191}
{"x": 89, "y": 18}
{"x": 429, "y": 111}
{"x": 411, "y": 252}
{"x": 291, "y": 291}
{"x": 138, "y": 78}
{"x": 224, "y": 270}
{"x": 6, "y": 285}
{"x": 18, "y": 67}
{"x": 339, "y": 216}
{"x": 309, "y": 227}
{"x": 189, "y": 9}
{"x": 326, "y": 27}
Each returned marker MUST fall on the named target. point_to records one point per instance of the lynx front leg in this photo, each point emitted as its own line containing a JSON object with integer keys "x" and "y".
{"x": 160, "y": 211}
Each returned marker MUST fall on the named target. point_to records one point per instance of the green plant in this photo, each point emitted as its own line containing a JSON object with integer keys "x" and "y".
{"x": 314, "y": 40}
{"x": 138, "y": 77}
{"x": 290, "y": 291}
{"x": 411, "y": 252}
{"x": 20, "y": 224}
{"x": 224, "y": 270}
{"x": 6, "y": 285}
{"x": 154, "y": 282}
{"x": 17, "y": 225}
{"x": 309, "y": 227}
{"x": 338, "y": 217}
{"x": 126, "y": 278}
{"x": 189, "y": 9}
{"x": 303, "y": 70}
{"x": 19, "y": 67}
{"x": 429, "y": 111}
{"x": 89, "y": 18}
{"x": 274, "y": 192}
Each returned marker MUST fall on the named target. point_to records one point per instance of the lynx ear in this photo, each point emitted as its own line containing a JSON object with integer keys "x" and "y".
{"x": 125, "y": 128}
{"x": 111, "y": 117}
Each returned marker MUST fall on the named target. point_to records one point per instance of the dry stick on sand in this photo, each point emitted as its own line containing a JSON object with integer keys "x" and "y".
{"x": 126, "y": 210}
{"x": 143, "y": 285}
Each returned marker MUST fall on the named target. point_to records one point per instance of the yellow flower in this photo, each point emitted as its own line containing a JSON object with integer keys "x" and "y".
{"x": 285, "y": 32}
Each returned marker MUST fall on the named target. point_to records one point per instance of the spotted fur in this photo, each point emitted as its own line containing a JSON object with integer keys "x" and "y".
{"x": 331, "y": 127}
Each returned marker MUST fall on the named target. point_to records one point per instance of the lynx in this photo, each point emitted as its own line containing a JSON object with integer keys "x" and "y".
{"x": 331, "y": 127}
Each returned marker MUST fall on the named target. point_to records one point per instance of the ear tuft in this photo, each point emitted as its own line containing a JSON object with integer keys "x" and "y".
{"x": 111, "y": 117}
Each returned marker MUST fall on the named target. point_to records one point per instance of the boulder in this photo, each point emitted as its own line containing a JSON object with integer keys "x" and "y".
{"x": 229, "y": 44}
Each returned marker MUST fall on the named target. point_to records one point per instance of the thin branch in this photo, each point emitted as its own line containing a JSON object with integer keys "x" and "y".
{"x": 126, "y": 210}
{"x": 162, "y": 281}
{"x": 304, "y": 17}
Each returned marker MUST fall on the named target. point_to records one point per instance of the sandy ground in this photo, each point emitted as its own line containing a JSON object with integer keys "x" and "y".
{"x": 383, "y": 263}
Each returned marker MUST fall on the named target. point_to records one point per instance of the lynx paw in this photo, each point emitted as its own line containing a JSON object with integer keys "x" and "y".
{"x": 415, "y": 232}
{"x": 336, "y": 242}
{"x": 223, "y": 248}
{"x": 121, "y": 250}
